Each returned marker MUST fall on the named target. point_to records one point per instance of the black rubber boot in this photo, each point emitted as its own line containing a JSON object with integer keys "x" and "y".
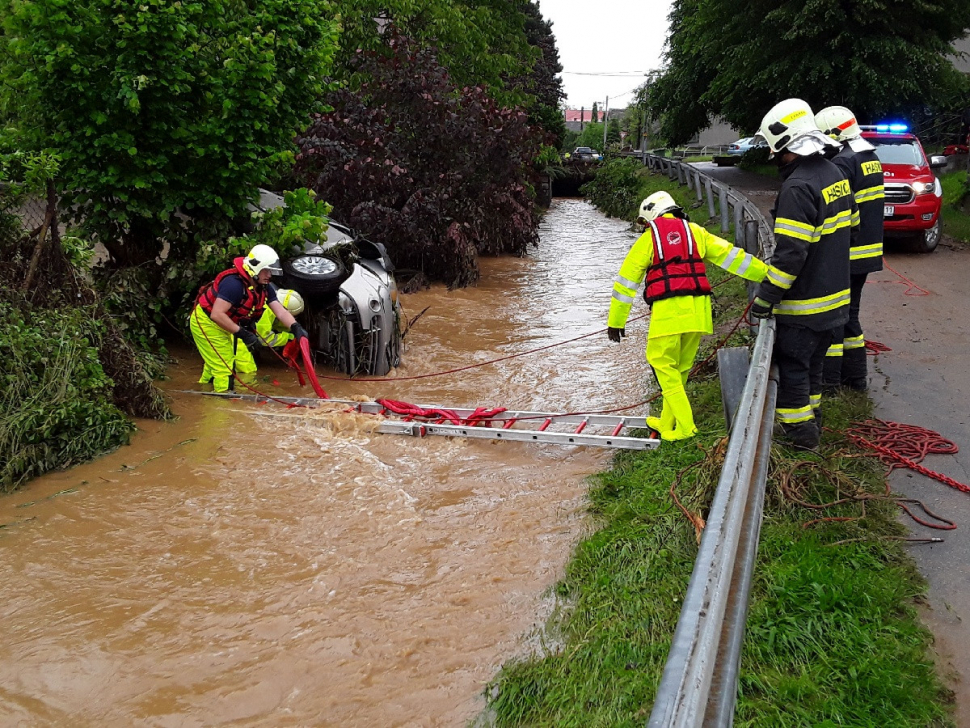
{"x": 804, "y": 435}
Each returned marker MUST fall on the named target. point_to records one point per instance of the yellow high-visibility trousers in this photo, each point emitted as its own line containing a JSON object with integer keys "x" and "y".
{"x": 672, "y": 357}
{"x": 220, "y": 352}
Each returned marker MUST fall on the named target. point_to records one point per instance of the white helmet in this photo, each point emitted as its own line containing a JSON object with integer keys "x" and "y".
{"x": 786, "y": 122}
{"x": 262, "y": 257}
{"x": 292, "y": 301}
{"x": 657, "y": 204}
{"x": 839, "y": 123}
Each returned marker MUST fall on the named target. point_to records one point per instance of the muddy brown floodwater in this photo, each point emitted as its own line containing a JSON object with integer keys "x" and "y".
{"x": 230, "y": 568}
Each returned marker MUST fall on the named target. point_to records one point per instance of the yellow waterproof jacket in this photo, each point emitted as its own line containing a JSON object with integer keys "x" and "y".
{"x": 268, "y": 333}
{"x": 678, "y": 314}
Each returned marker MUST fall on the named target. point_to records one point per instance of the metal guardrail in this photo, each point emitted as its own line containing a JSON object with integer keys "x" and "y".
{"x": 700, "y": 680}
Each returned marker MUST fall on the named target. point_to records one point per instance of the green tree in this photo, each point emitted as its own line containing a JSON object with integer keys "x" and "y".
{"x": 165, "y": 116}
{"x": 542, "y": 82}
{"x": 736, "y": 59}
{"x": 594, "y": 114}
{"x": 613, "y": 131}
{"x": 478, "y": 41}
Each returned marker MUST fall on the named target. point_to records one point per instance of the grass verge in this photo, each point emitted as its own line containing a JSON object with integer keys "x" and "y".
{"x": 832, "y": 636}
{"x": 956, "y": 222}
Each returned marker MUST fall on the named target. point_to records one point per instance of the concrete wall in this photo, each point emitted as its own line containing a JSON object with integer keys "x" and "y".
{"x": 719, "y": 132}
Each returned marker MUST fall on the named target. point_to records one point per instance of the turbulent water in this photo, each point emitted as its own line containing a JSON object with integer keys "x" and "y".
{"x": 239, "y": 568}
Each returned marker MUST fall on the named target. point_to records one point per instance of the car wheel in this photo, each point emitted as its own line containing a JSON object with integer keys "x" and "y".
{"x": 927, "y": 240}
{"x": 314, "y": 274}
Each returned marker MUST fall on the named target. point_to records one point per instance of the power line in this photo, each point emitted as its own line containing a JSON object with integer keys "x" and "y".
{"x": 606, "y": 73}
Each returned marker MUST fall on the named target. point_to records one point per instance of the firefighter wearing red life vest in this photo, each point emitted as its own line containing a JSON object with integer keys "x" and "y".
{"x": 223, "y": 321}
{"x": 671, "y": 254}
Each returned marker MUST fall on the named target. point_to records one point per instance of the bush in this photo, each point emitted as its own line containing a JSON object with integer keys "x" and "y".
{"x": 56, "y": 404}
{"x": 166, "y": 116}
{"x": 616, "y": 188}
{"x": 437, "y": 173}
{"x": 754, "y": 157}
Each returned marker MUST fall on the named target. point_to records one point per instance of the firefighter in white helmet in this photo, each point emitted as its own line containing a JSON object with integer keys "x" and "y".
{"x": 845, "y": 361}
{"x": 807, "y": 286}
{"x": 224, "y": 318}
{"x": 671, "y": 254}
{"x": 269, "y": 330}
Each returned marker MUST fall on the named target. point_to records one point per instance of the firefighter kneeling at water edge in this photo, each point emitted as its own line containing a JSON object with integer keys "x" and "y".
{"x": 671, "y": 254}
{"x": 223, "y": 321}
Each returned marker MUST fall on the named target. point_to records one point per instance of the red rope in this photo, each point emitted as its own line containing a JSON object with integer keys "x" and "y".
{"x": 474, "y": 366}
{"x": 874, "y": 347}
{"x": 905, "y": 280}
{"x": 904, "y": 446}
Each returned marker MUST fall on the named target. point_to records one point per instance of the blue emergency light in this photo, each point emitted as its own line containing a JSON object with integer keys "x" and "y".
{"x": 893, "y": 128}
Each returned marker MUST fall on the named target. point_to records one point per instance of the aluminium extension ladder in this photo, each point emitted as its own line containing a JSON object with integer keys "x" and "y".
{"x": 521, "y": 426}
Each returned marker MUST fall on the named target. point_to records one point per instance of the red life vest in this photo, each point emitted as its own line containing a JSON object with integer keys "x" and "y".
{"x": 250, "y": 309}
{"x": 677, "y": 268}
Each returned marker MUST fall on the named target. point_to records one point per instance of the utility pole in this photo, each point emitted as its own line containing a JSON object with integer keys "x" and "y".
{"x": 582, "y": 113}
{"x": 606, "y": 117}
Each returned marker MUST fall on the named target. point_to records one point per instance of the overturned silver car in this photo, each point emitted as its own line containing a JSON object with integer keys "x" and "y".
{"x": 353, "y": 313}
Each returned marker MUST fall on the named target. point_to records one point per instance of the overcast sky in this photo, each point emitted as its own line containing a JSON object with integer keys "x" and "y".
{"x": 606, "y": 36}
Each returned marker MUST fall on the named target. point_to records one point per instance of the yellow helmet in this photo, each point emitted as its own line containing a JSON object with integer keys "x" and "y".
{"x": 839, "y": 123}
{"x": 292, "y": 301}
{"x": 262, "y": 257}
{"x": 658, "y": 204}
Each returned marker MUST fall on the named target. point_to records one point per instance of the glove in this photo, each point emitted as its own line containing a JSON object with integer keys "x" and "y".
{"x": 298, "y": 332}
{"x": 615, "y": 334}
{"x": 760, "y": 308}
{"x": 248, "y": 338}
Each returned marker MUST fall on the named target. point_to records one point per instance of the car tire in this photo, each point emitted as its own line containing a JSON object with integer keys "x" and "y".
{"x": 312, "y": 284}
{"x": 926, "y": 240}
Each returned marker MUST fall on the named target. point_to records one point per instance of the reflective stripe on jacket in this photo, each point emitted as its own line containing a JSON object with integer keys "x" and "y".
{"x": 677, "y": 268}
{"x": 864, "y": 172}
{"x": 816, "y": 220}
{"x": 250, "y": 309}
{"x": 679, "y": 314}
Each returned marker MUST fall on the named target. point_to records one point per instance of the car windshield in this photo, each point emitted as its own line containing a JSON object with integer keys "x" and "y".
{"x": 898, "y": 151}
{"x": 583, "y": 150}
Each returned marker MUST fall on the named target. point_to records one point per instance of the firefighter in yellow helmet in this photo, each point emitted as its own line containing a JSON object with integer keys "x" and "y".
{"x": 269, "y": 330}
{"x": 671, "y": 255}
{"x": 224, "y": 318}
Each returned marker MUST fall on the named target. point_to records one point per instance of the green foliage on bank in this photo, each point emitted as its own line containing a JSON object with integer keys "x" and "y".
{"x": 832, "y": 637}
{"x": 956, "y": 211}
{"x": 56, "y": 407}
{"x": 166, "y": 116}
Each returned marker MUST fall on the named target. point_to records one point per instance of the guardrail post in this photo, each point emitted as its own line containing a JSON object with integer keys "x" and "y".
{"x": 681, "y": 172}
{"x": 671, "y": 170}
{"x": 689, "y": 179}
{"x": 700, "y": 192}
{"x": 709, "y": 186}
{"x": 738, "y": 223}
{"x": 725, "y": 209}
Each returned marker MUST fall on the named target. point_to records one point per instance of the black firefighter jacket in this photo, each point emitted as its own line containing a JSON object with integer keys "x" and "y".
{"x": 816, "y": 220}
{"x": 864, "y": 172}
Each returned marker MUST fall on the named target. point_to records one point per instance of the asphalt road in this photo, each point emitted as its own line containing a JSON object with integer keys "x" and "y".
{"x": 919, "y": 307}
